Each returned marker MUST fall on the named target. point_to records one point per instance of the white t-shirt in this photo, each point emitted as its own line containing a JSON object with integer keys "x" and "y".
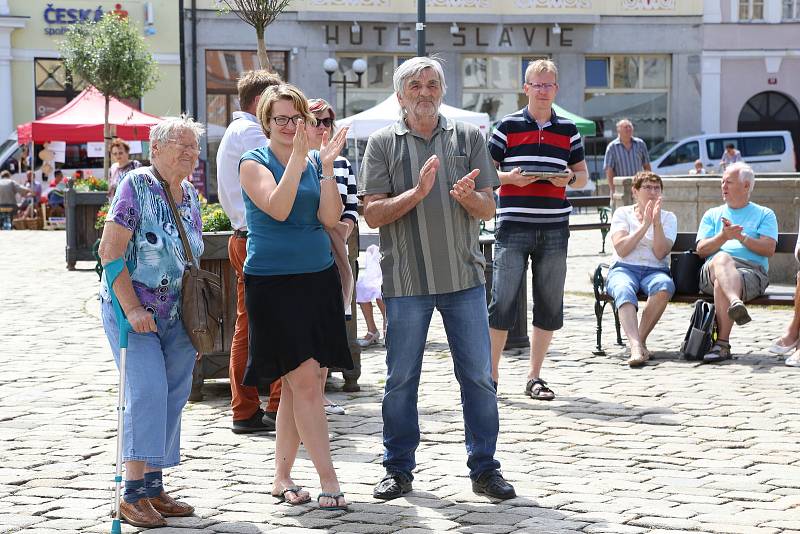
{"x": 625, "y": 220}
{"x": 243, "y": 134}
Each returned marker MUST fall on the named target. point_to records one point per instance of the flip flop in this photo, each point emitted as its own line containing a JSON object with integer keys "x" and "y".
{"x": 293, "y": 489}
{"x": 335, "y": 497}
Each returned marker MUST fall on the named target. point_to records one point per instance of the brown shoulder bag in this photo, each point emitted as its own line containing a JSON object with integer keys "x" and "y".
{"x": 201, "y": 291}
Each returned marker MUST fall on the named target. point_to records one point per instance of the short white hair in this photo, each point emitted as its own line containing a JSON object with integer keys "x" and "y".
{"x": 412, "y": 67}
{"x": 170, "y": 126}
{"x": 744, "y": 172}
{"x": 624, "y": 121}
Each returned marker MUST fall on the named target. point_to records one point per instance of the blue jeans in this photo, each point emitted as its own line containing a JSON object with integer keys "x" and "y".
{"x": 467, "y": 329}
{"x": 158, "y": 381}
{"x": 547, "y": 248}
{"x": 624, "y": 281}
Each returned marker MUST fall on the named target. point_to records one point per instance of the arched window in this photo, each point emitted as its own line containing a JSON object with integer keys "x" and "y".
{"x": 771, "y": 110}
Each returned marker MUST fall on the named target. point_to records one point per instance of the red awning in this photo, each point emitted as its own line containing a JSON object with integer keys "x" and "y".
{"x": 81, "y": 121}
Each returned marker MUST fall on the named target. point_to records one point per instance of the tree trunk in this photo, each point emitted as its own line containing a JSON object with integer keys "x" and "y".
{"x": 262, "y": 50}
{"x": 106, "y": 140}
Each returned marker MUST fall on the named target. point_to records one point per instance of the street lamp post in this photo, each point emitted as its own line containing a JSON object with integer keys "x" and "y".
{"x": 331, "y": 65}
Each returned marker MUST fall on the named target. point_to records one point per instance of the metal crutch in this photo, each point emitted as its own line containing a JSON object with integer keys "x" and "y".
{"x": 113, "y": 270}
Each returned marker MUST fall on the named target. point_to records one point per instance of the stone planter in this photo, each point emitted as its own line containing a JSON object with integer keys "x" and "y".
{"x": 215, "y": 364}
{"x": 81, "y": 209}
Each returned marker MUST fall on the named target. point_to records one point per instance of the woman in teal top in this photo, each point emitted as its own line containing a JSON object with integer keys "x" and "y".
{"x": 292, "y": 289}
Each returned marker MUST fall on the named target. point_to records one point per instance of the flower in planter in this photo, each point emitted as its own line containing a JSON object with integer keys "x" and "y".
{"x": 100, "y": 221}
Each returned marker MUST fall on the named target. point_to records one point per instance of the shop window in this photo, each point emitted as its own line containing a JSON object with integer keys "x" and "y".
{"x": 635, "y": 87}
{"x": 223, "y": 69}
{"x": 597, "y": 72}
{"x": 493, "y": 84}
{"x": 55, "y": 87}
{"x": 791, "y": 9}
{"x": 751, "y": 9}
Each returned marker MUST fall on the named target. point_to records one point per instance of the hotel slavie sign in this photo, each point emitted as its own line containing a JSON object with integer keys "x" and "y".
{"x": 403, "y": 35}
{"x": 59, "y": 18}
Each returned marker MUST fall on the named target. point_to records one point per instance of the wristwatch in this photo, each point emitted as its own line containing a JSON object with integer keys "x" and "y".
{"x": 573, "y": 179}
{"x": 330, "y": 178}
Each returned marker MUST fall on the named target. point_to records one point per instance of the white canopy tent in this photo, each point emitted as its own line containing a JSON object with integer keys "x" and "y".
{"x": 387, "y": 112}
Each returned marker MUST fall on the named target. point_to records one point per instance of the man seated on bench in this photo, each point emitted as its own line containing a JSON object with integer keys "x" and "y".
{"x": 642, "y": 235}
{"x": 736, "y": 238}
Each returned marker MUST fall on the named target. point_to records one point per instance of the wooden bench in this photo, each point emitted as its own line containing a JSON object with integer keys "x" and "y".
{"x": 603, "y": 205}
{"x": 683, "y": 242}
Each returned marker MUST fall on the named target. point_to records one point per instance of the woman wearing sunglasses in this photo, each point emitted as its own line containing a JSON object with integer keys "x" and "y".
{"x": 643, "y": 235}
{"x": 346, "y": 184}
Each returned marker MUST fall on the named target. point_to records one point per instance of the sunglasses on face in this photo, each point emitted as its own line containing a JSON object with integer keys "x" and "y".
{"x": 327, "y": 122}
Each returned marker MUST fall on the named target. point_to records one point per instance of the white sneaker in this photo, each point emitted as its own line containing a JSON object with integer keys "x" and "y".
{"x": 334, "y": 409}
{"x": 781, "y": 350}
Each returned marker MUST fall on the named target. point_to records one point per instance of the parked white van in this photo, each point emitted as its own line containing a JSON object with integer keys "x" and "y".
{"x": 764, "y": 151}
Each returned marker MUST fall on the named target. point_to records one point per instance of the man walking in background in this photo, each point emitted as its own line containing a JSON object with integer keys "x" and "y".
{"x": 626, "y": 155}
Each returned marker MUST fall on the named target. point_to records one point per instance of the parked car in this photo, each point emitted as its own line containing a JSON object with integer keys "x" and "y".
{"x": 764, "y": 151}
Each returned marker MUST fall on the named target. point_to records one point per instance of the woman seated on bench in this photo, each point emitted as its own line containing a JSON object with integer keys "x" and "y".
{"x": 642, "y": 235}
{"x": 790, "y": 341}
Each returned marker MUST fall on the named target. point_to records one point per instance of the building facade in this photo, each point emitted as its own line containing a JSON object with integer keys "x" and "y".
{"x": 751, "y": 66}
{"x": 617, "y": 58}
{"x": 33, "y": 81}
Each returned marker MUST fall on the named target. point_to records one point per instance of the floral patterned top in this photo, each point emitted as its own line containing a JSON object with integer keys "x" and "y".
{"x": 155, "y": 249}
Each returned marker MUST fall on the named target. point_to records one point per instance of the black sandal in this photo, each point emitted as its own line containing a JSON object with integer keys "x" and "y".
{"x": 537, "y": 389}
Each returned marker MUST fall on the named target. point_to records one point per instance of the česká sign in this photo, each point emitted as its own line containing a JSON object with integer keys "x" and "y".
{"x": 58, "y": 19}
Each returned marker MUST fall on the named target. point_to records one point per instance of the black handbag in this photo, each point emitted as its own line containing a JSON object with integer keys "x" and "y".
{"x": 685, "y": 271}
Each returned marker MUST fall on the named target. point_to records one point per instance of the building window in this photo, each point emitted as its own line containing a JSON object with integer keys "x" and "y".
{"x": 493, "y": 84}
{"x": 791, "y": 9}
{"x": 751, "y": 9}
{"x": 55, "y": 87}
{"x": 635, "y": 87}
{"x": 223, "y": 68}
{"x": 376, "y": 84}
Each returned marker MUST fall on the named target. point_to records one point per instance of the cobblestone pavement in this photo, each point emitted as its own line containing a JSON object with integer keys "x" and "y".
{"x": 672, "y": 447}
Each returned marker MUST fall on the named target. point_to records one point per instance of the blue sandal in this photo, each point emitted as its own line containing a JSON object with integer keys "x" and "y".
{"x": 293, "y": 489}
{"x": 335, "y": 497}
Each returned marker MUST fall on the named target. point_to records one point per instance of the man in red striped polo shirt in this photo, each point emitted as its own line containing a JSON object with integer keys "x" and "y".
{"x": 533, "y": 216}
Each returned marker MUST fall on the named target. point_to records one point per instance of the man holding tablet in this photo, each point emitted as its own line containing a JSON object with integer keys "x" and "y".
{"x": 538, "y": 154}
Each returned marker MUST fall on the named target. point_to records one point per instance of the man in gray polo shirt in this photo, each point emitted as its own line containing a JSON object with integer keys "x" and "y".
{"x": 626, "y": 155}
{"x": 426, "y": 182}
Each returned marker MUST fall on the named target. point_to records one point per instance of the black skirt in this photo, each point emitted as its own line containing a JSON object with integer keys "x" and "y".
{"x": 294, "y": 317}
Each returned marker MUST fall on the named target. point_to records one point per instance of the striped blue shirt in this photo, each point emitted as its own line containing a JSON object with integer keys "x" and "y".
{"x": 625, "y": 162}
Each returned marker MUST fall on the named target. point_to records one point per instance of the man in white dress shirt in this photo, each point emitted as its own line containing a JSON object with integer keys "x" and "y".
{"x": 244, "y": 133}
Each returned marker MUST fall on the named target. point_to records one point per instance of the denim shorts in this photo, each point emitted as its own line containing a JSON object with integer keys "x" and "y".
{"x": 624, "y": 281}
{"x": 547, "y": 249}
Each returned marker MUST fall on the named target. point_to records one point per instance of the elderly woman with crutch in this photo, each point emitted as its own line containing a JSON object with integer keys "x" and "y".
{"x": 145, "y": 259}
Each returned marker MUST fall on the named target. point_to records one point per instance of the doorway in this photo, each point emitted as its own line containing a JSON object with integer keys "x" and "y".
{"x": 771, "y": 110}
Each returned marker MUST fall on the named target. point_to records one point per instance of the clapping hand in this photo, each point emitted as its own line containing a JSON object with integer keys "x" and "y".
{"x": 463, "y": 188}
{"x": 730, "y": 230}
{"x": 330, "y": 149}
{"x": 300, "y": 141}
{"x": 647, "y": 216}
{"x": 657, "y": 212}
{"x": 427, "y": 175}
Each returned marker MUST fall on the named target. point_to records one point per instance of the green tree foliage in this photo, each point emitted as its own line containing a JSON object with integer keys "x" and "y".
{"x": 111, "y": 55}
{"x": 259, "y": 14}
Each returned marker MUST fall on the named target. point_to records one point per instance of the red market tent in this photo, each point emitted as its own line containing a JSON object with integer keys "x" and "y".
{"x": 81, "y": 121}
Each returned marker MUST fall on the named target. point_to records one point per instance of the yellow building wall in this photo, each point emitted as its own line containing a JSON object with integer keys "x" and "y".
{"x": 500, "y": 7}
{"x": 34, "y": 41}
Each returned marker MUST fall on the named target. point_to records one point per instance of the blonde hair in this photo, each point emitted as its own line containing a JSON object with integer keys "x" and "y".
{"x": 252, "y": 83}
{"x": 284, "y": 91}
{"x": 541, "y": 66}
